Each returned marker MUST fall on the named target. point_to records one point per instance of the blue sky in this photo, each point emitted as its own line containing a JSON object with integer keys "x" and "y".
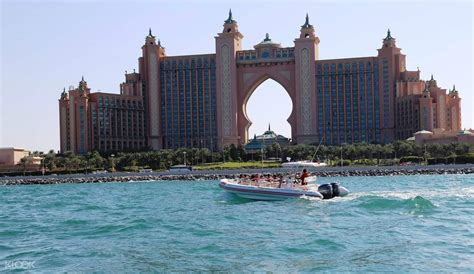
{"x": 48, "y": 45}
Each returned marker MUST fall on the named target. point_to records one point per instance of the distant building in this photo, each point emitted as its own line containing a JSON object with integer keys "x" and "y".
{"x": 103, "y": 121}
{"x": 444, "y": 137}
{"x": 269, "y": 137}
{"x": 10, "y": 156}
{"x": 10, "y": 159}
{"x": 200, "y": 100}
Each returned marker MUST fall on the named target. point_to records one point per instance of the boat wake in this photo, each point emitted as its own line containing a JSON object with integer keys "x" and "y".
{"x": 310, "y": 198}
{"x": 466, "y": 193}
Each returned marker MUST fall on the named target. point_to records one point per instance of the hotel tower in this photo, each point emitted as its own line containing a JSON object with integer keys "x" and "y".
{"x": 200, "y": 100}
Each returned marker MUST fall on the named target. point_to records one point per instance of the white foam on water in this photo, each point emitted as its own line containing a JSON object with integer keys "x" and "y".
{"x": 310, "y": 198}
{"x": 454, "y": 192}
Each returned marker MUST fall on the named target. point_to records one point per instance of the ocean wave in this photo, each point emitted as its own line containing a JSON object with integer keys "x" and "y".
{"x": 415, "y": 205}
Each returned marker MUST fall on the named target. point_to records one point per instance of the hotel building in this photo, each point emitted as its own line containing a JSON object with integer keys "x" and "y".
{"x": 200, "y": 100}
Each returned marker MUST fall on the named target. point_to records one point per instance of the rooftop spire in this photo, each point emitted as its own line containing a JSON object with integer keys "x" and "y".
{"x": 230, "y": 20}
{"x": 389, "y": 36}
{"x": 64, "y": 94}
{"x": 431, "y": 77}
{"x": 267, "y": 37}
{"x": 159, "y": 44}
{"x": 150, "y": 34}
{"x": 306, "y": 23}
{"x": 268, "y": 126}
{"x": 82, "y": 83}
{"x": 454, "y": 89}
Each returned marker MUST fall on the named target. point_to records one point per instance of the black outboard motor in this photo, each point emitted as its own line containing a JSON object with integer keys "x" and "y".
{"x": 332, "y": 190}
{"x": 335, "y": 189}
{"x": 326, "y": 190}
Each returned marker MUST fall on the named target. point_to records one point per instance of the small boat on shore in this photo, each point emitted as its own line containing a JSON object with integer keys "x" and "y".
{"x": 303, "y": 164}
{"x": 274, "y": 191}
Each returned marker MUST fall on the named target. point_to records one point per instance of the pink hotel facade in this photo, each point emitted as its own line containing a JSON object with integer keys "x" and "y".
{"x": 199, "y": 100}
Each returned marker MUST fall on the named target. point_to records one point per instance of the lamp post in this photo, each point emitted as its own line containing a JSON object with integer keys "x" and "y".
{"x": 112, "y": 163}
{"x": 342, "y": 161}
{"x": 223, "y": 155}
{"x": 212, "y": 152}
{"x": 42, "y": 166}
{"x": 341, "y": 154}
{"x": 184, "y": 157}
{"x": 202, "y": 154}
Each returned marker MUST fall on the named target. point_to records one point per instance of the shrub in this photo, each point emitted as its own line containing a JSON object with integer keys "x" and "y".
{"x": 365, "y": 162}
{"x": 413, "y": 159}
{"x": 344, "y": 162}
{"x": 465, "y": 159}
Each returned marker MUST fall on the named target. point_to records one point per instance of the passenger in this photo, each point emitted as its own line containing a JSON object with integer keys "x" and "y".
{"x": 257, "y": 178}
{"x": 303, "y": 176}
{"x": 280, "y": 181}
{"x": 297, "y": 177}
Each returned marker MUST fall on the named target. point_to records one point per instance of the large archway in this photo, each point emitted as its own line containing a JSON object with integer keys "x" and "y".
{"x": 250, "y": 78}
{"x": 268, "y": 104}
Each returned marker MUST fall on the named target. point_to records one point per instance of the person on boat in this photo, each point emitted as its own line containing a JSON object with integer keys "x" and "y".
{"x": 256, "y": 178}
{"x": 297, "y": 177}
{"x": 280, "y": 181}
{"x": 303, "y": 176}
{"x": 275, "y": 178}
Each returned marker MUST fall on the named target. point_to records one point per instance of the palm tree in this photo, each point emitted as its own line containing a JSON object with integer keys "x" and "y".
{"x": 426, "y": 155}
{"x": 453, "y": 155}
{"x": 24, "y": 162}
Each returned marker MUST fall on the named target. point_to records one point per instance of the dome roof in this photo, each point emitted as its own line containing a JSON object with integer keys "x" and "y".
{"x": 423, "y": 132}
{"x": 267, "y": 42}
{"x": 465, "y": 132}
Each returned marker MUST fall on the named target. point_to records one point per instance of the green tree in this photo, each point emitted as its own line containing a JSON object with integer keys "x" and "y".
{"x": 96, "y": 160}
{"x": 461, "y": 148}
{"x": 233, "y": 153}
{"x": 388, "y": 150}
{"x": 49, "y": 160}
{"x": 453, "y": 155}
{"x": 24, "y": 162}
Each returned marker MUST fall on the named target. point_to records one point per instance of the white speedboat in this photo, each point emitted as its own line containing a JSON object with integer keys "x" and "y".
{"x": 271, "y": 191}
{"x": 302, "y": 164}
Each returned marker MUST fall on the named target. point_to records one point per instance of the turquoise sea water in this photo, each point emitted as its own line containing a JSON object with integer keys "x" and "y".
{"x": 398, "y": 223}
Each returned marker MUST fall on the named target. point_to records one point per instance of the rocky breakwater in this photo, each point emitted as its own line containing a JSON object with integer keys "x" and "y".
{"x": 105, "y": 179}
{"x": 220, "y": 174}
{"x": 393, "y": 172}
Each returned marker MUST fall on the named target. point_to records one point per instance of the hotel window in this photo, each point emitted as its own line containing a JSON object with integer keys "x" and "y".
{"x": 347, "y": 67}
{"x": 354, "y": 66}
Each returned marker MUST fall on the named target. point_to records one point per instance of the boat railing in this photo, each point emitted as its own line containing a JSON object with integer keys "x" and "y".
{"x": 265, "y": 183}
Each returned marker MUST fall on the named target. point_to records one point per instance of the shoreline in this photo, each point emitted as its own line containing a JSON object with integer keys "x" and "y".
{"x": 221, "y": 174}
